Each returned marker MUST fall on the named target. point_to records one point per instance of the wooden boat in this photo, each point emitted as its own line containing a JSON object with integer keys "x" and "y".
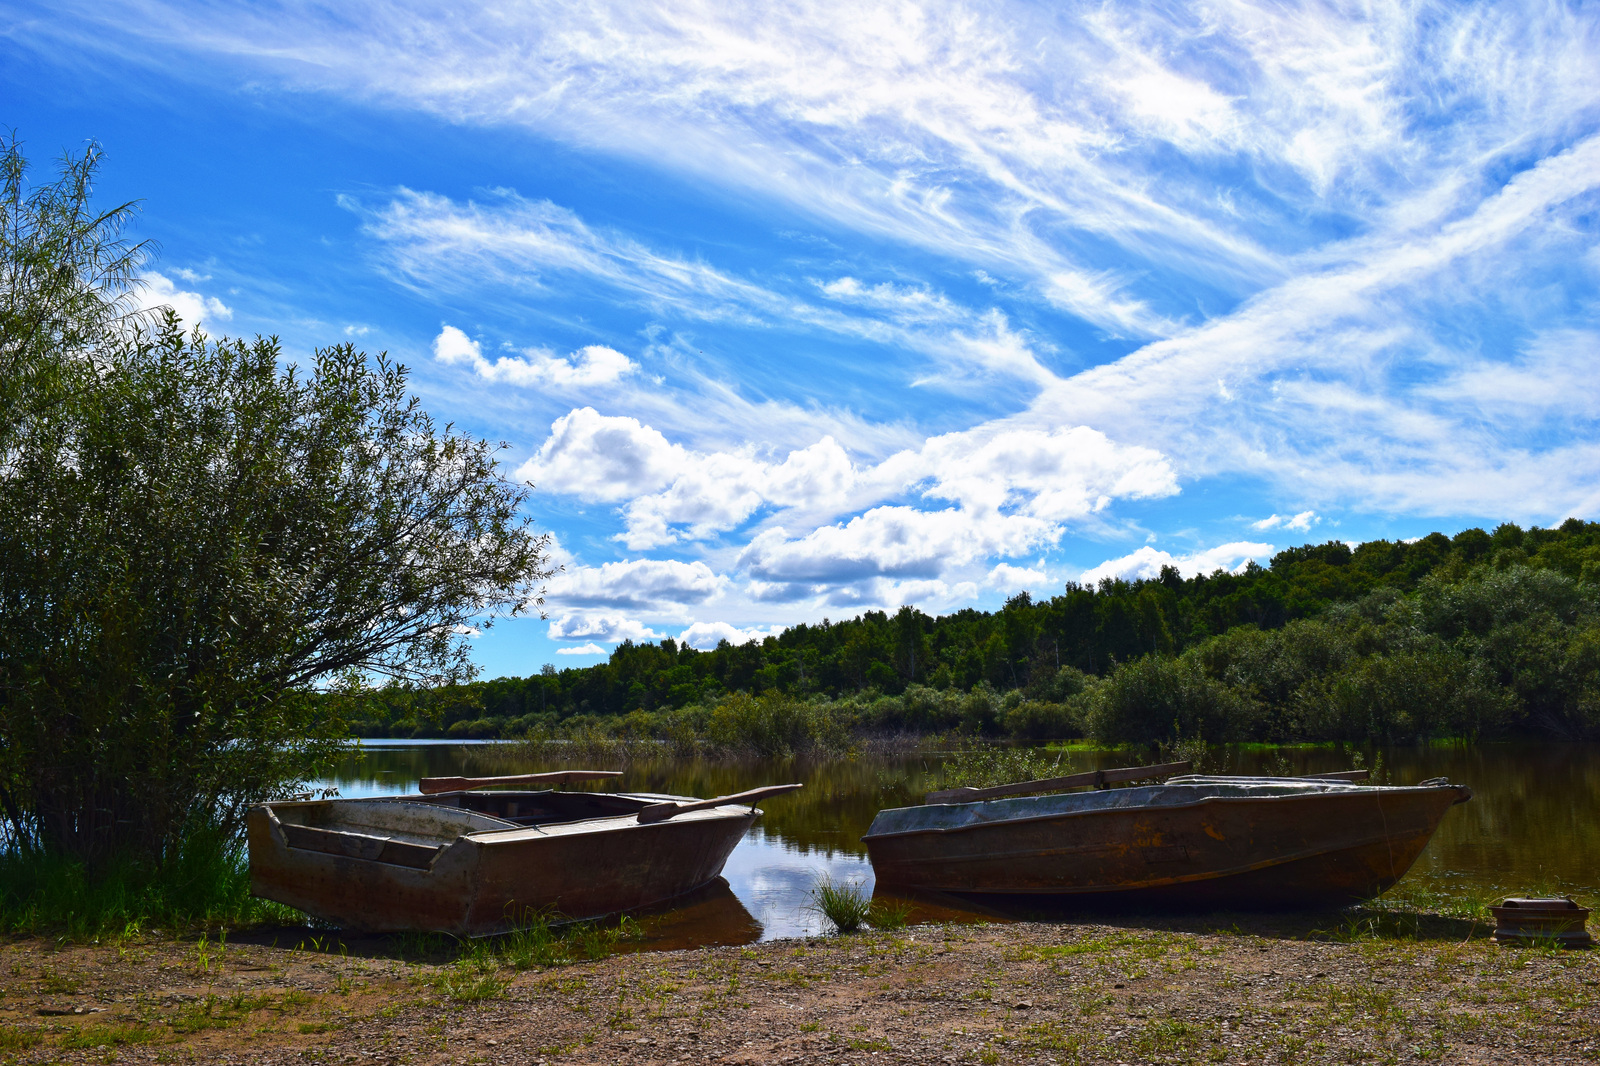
{"x": 475, "y": 862}
{"x": 1238, "y": 842}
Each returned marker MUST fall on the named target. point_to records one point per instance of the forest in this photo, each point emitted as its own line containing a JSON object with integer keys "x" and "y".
{"x": 1476, "y": 635}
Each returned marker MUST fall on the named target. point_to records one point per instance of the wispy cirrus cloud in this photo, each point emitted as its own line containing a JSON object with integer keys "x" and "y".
{"x": 441, "y": 245}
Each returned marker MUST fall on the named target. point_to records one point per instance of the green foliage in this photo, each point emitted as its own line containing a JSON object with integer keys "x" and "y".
{"x": 193, "y": 539}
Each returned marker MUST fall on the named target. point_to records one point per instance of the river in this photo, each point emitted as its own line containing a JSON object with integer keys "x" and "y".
{"x": 1533, "y": 825}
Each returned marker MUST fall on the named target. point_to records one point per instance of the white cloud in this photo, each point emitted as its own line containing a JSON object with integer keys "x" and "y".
{"x": 597, "y": 457}
{"x": 436, "y": 243}
{"x": 582, "y": 649}
{"x": 642, "y": 583}
{"x": 1146, "y": 562}
{"x": 1301, "y": 522}
{"x": 195, "y": 309}
{"x": 1058, "y": 475}
{"x": 706, "y": 635}
{"x": 1008, "y": 578}
{"x": 1054, "y": 476}
{"x": 609, "y": 628}
{"x": 892, "y": 541}
{"x": 1552, "y": 376}
{"x": 587, "y": 367}
{"x": 1364, "y": 230}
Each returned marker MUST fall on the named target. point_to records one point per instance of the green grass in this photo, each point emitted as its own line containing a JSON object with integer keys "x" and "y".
{"x": 12, "y": 1039}
{"x": 472, "y": 980}
{"x": 109, "y": 1036}
{"x": 845, "y": 904}
{"x": 205, "y": 885}
{"x": 889, "y": 914}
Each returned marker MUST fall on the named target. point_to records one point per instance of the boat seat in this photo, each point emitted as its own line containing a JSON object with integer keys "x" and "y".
{"x": 360, "y": 846}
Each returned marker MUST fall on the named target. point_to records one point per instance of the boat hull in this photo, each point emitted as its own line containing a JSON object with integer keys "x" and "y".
{"x": 1317, "y": 847}
{"x": 488, "y": 881}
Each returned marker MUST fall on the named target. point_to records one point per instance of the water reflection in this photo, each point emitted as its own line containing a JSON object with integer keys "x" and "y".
{"x": 1531, "y": 827}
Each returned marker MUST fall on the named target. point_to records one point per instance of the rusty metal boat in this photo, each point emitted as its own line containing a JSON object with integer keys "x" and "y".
{"x": 1238, "y": 842}
{"x": 474, "y": 862}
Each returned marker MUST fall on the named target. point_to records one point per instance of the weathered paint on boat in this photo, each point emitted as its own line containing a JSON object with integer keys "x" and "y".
{"x": 475, "y": 863}
{"x": 1214, "y": 841}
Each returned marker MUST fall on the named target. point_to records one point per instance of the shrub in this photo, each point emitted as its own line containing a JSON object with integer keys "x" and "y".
{"x": 1157, "y": 698}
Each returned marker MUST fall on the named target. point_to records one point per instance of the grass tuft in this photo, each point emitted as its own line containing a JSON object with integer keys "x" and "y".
{"x": 845, "y": 904}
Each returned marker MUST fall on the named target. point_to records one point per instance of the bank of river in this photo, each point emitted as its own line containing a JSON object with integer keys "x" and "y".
{"x": 1357, "y": 987}
{"x": 1533, "y": 825}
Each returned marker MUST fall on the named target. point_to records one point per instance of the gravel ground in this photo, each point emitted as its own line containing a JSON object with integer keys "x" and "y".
{"x": 1347, "y": 988}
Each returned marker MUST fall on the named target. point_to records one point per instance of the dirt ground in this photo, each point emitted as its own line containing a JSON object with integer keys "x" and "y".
{"x": 1134, "y": 990}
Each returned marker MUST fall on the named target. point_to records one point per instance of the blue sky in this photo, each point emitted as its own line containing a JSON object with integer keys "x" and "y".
{"x": 795, "y": 313}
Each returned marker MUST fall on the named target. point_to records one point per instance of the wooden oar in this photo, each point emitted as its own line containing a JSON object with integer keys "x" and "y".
{"x": 660, "y": 812}
{"x": 1097, "y": 778}
{"x": 1338, "y": 775}
{"x": 430, "y": 785}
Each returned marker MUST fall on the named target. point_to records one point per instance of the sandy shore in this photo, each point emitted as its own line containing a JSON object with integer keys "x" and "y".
{"x": 1208, "y": 989}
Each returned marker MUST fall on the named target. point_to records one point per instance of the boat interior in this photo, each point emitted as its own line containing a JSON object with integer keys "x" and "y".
{"x": 545, "y": 807}
{"x": 412, "y": 830}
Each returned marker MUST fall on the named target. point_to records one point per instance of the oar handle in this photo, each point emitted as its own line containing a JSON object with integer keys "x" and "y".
{"x": 660, "y": 812}
{"x": 428, "y": 786}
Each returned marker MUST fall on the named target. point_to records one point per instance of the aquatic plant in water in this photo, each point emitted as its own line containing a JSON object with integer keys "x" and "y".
{"x": 845, "y": 904}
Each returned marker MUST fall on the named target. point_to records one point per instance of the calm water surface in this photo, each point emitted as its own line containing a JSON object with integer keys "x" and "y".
{"x": 1532, "y": 826}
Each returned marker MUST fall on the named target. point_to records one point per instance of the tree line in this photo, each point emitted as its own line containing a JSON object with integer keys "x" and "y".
{"x": 1482, "y": 633}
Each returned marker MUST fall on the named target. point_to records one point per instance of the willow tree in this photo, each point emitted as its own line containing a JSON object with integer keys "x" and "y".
{"x": 195, "y": 539}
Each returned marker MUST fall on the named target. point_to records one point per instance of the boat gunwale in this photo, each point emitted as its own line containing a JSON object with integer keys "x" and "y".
{"x": 627, "y": 821}
{"x": 510, "y": 833}
{"x": 1351, "y": 791}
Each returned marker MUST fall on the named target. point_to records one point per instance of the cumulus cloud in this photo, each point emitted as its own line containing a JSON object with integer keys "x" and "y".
{"x": 1010, "y": 578}
{"x": 641, "y": 583}
{"x": 609, "y": 628}
{"x": 707, "y": 635}
{"x": 894, "y": 541}
{"x": 195, "y": 309}
{"x": 1147, "y": 562}
{"x": 1056, "y": 475}
{"x": 582, "y": 649}
{"x": 1014, "y": 486}
{"x": 1300, "y": 523}
{"x": 599, "y": 457}
{"x": 587, "y": 367}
